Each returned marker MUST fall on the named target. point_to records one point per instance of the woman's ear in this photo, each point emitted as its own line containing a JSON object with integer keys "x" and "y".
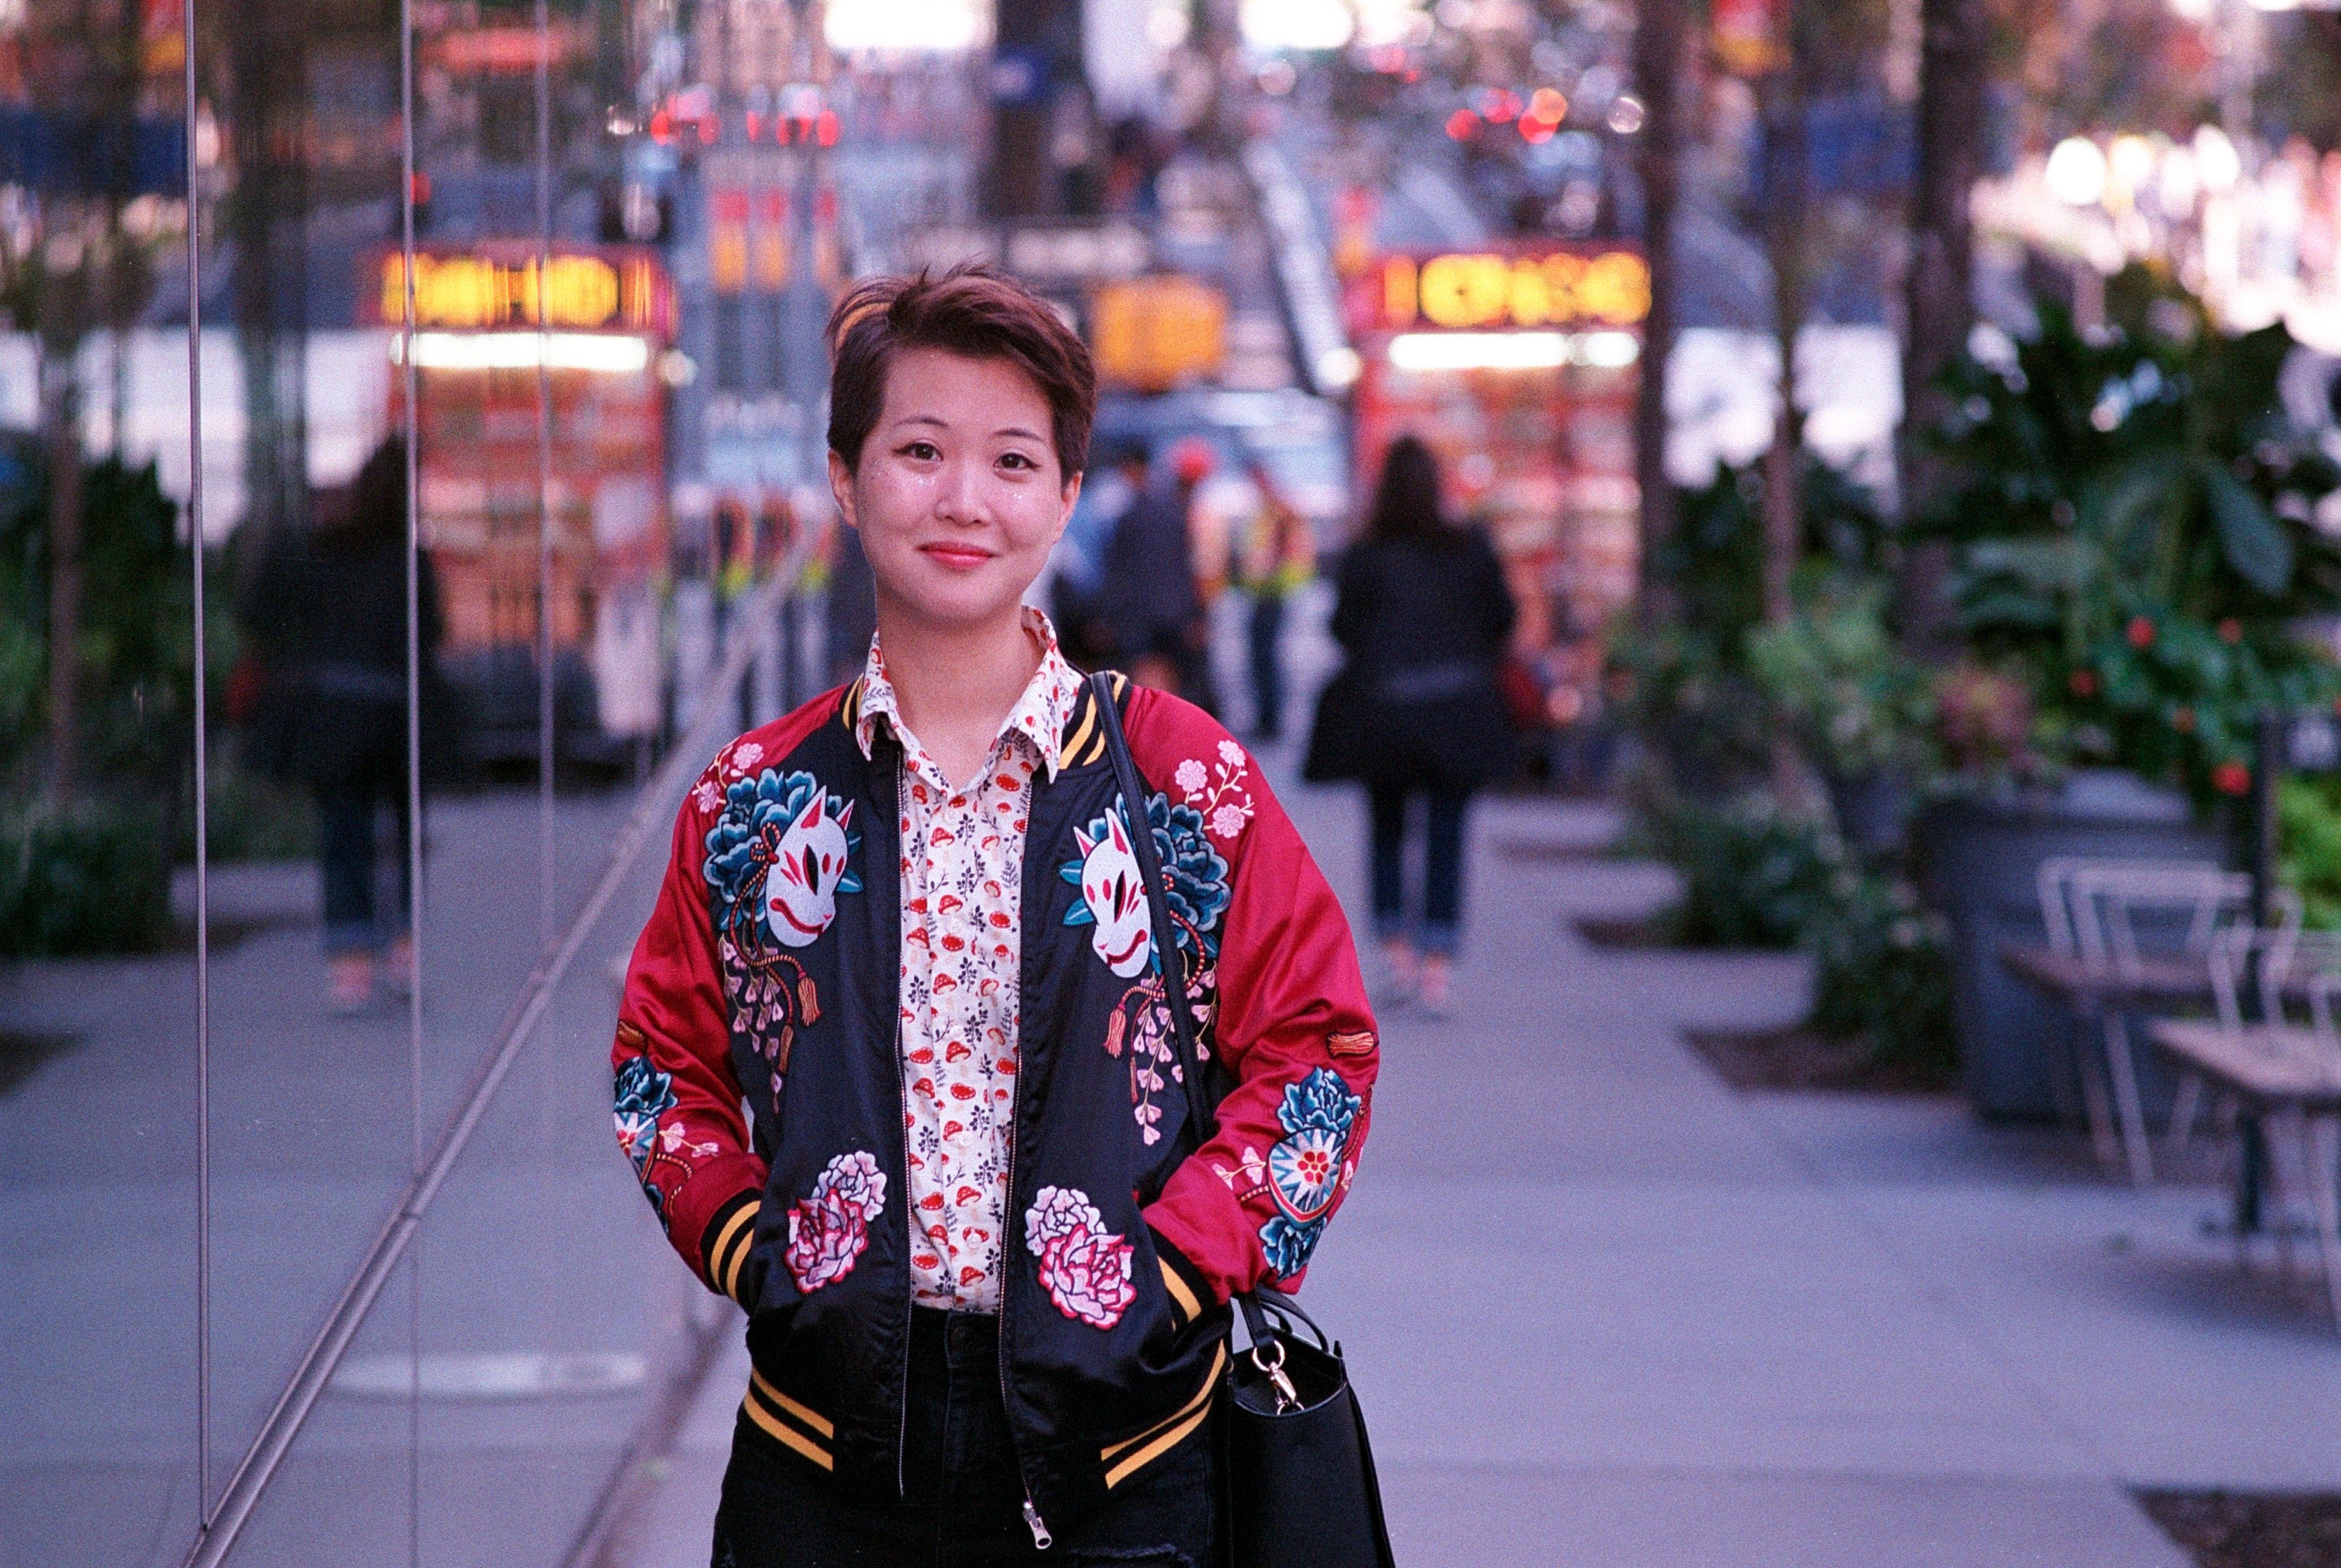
{"x": 1065, "y": 513}
{"x": 841, "y": 486}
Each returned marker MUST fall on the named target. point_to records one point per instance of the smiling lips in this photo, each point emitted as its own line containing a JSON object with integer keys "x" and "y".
{"x": 1116, "y": 960}
{"x": 957, "y": 556}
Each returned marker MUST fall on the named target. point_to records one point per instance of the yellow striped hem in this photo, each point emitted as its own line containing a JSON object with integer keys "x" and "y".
{"x": 1201, "y": 1400}
{"x": 1188, "y": 1307}
{"x": 730, "y": 1250}
{"x": 811, "y": 1417}
{"x": 787, "y": 1435}
{"x": 1155, "y": 1449}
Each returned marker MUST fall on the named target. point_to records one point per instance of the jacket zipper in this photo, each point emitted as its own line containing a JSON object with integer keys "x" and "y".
{"x": 1033, "y": 1520}
{"x": 901, "y": 1100}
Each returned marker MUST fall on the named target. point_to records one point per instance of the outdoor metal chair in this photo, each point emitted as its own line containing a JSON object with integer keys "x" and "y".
{"x": 2285, "y": 1072}
{"x": 2131, "y": 935}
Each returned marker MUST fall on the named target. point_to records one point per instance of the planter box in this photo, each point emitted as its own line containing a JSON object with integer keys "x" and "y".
{"x": 1978, "y": 862}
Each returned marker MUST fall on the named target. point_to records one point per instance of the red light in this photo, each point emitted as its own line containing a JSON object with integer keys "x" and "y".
{"x": 1500, "y": 106}
{"x": 709, "y": 129}
{"x": 421, "y": 187}
{"x": 662, "y": 126}
{"x": 755, "y": 124}
{"x": 1548, "y": 105}
{"x": 1533, "y": 130}
{"x": 825, "y": 207}
{"x": 825, "y": 129}
{"x": 1462, "y": 126}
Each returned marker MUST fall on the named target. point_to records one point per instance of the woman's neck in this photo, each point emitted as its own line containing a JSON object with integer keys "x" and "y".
{"x": 954, "y": 686}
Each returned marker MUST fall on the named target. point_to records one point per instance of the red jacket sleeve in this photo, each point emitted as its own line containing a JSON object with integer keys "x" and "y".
{"x": 677, "y": 1101}
{"x": 1292, "y": 1025}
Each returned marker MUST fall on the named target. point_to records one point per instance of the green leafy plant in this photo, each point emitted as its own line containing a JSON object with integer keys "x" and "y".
{"x": 91, "y": 877}
{"x": 1757, "y": 876}
{"x": 1859, "y": 705}
{"x": 2132, "y": 518}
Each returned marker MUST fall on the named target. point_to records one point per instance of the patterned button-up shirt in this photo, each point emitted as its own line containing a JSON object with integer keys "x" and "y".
{"x": 963, "y": 874}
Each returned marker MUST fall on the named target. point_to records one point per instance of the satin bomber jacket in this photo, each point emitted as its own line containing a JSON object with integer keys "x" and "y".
{"x": 758, "y": 1087}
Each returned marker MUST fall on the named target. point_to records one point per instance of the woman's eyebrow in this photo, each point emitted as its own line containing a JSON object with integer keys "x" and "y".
{"x": 1018, "y": 430}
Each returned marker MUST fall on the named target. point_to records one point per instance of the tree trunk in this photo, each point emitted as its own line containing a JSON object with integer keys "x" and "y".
{"x": 1658, "y": 64}
{"x": 60, "y": 440}
{"x": 1940, "y": 301}
{"x": 1786, "y": 204}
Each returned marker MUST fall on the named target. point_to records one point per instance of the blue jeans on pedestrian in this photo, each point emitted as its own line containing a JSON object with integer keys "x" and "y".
{"x": 1433, "y": 925}
{"x": 346, "y": 855}
{"x": 964, "y": 1501}
{"x": 1267, "y": 664}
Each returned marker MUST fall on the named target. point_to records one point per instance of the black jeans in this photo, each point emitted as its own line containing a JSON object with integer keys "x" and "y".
{"x": 1268, "y": 664}
{"x": 345, "y": 823}
{"x": 1436, "y": 924}
{"x": 963, "y": 1506}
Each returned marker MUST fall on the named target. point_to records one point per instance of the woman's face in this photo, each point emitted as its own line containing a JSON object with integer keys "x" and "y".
{"x": 958, "y": 495}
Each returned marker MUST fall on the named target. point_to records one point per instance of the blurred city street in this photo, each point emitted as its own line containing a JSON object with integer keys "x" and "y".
{"x": 1843, "y": 497}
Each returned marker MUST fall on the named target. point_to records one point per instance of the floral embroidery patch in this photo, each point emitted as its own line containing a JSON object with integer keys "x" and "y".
{"x": 830, "y": 1226}
{"x": 641, "y": 1094}
{"x": 1307, "y": 1166}
{"x": 1112, "y": 900}
{"x": 1217, "y": 792}
{"x": 1084, "y": 1267}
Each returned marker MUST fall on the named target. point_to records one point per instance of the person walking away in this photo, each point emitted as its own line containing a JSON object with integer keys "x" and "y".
{"x": 1146, "y": 595}
{"x": 328, "y": 618}
{"x": 1423, "y": 614}
{"x": 1191, "y": 464}
{"x": 1279, "y": 554}
{"x": 892, "y": 1062}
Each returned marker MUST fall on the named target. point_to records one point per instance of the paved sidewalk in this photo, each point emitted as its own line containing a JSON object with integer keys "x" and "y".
{"x": 1604, "y": 1313}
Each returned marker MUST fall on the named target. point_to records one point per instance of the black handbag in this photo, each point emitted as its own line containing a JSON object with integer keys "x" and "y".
{"x": 1300, "y": 1487}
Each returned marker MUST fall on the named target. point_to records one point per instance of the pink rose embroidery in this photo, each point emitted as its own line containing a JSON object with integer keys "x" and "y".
{"x": 1190, "y": 777}
{"x": 1084, "y": 1267}
{"x": 829, "y": 1228}
{"x": 1227, "y": 821}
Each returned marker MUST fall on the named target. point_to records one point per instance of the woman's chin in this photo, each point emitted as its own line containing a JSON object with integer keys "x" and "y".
{"x": 957, "y": 604}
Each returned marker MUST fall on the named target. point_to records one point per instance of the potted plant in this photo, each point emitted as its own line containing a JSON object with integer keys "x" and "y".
{"x": 2130, "y": 519}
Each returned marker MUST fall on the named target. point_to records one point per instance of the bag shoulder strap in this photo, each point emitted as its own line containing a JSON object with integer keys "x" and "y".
{"x": 1168, "y": 955}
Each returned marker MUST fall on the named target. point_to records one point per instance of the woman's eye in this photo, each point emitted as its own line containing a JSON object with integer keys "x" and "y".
{"x": 923, "y": 451}
{"x": 1018, "y": 460}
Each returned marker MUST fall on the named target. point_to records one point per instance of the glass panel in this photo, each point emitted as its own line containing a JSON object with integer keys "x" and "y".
{"x": 98, "y": 1204}
{"x": 312, "y": 1126}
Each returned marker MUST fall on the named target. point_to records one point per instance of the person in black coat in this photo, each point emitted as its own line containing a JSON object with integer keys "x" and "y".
{"x": 328, "y": 616}
{"x": 1424, "y": 616}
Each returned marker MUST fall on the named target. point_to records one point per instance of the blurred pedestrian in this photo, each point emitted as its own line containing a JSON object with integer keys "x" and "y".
{"x": 327, "y": 616}
{"x": 1146, "y": 595}
{"x": 1279, "y": 554}
{"x": 1423, "y": 616}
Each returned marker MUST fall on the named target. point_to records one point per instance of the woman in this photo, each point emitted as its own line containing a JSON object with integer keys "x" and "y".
{"x": 893, "y": 1064}
{"x": 1423, "y": 614}
{"x": 328, "y": 618}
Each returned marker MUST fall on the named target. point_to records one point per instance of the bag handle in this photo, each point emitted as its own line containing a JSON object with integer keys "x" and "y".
{"x": 1167, "y": 953}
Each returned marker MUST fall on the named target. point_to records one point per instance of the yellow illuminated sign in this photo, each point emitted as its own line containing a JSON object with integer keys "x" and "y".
{"x": 477, "y": 292}
{"x": 1563, "y": 288}
{"x": 1157, "y": 333}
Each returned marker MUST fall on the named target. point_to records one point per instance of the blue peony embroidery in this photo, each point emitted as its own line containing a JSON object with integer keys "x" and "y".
{"x": 1196, "y": 874}
{"x": 746, "y": 839}
{"x": 1304, "y": 1168}
{"x": 641, "y": 1094}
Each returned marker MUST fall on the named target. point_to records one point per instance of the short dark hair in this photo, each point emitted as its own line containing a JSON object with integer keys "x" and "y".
{"x": 970, "y": 310}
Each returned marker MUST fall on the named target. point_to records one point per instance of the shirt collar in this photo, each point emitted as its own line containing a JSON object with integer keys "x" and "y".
{"x": 1039, "y": 716}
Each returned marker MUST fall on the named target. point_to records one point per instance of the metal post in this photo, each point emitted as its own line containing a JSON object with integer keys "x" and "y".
{"x": 2267, "y": 762}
